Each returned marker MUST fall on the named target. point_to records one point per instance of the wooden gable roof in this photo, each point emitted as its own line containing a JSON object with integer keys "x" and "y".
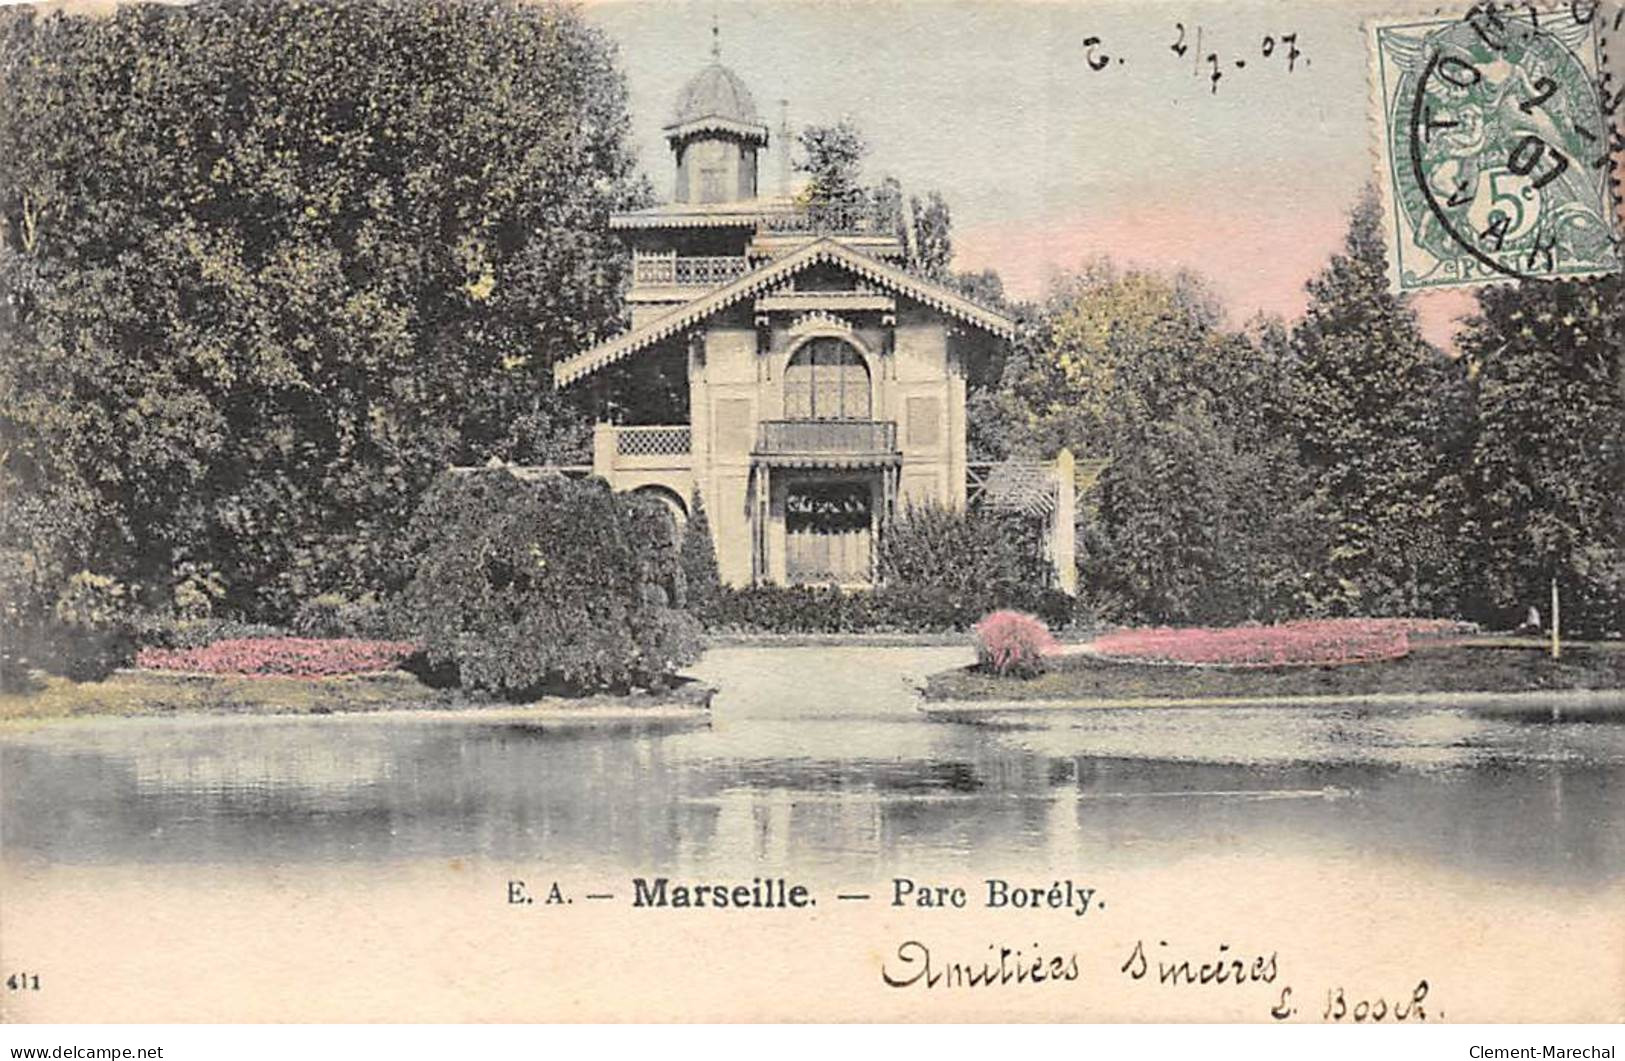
{"x": 756, "y": 281}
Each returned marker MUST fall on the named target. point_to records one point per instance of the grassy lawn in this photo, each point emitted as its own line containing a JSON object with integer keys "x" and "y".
{"x": 151, "y": 693}
{"x": 1478, "y": 665}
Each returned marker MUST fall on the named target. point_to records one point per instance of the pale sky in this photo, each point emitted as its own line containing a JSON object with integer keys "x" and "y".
{"x": 1044, "y": 161}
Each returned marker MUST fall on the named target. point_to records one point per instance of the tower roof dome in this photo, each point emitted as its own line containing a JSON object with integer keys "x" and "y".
{"x": 715, "y": 92}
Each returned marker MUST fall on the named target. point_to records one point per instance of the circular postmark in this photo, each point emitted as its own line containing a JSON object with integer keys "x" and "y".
{"x": 1506, "y": 140}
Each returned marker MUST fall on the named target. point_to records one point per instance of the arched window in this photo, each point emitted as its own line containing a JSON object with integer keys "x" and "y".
{"x": 826, "y": 380}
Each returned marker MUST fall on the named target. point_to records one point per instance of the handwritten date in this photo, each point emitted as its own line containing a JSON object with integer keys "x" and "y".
{"x": 1211, "y": 63}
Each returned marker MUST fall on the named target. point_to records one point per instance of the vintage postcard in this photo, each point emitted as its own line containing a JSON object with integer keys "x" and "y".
{"x": 769, "y": 510}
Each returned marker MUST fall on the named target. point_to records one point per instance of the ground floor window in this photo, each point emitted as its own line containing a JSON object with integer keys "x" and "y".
{"x": 829, "y": 531}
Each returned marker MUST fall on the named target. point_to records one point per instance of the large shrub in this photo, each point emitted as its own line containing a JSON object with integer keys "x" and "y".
{"x": 89, "y": 631}
{"x": 964, "y": 550}
{"x": 942, "y": 568}
{"x": 956, "y": 564}
{"x": 546, "y": 584}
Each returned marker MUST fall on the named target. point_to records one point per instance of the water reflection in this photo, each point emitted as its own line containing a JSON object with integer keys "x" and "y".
{"x": 818, "y": 760}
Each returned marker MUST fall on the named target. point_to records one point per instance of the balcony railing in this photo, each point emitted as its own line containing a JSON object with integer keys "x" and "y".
{"x": 824, "y": 218}
{"x": 668, "y": 270}
{"x": 660, "y": 441}
{"x": 790, "y": 438}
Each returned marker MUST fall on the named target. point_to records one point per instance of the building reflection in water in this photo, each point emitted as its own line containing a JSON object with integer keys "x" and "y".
{"x": 817, "y": 760}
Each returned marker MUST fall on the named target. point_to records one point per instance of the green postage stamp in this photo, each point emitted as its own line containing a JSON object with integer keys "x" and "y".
{"x": 1498, "y": 144}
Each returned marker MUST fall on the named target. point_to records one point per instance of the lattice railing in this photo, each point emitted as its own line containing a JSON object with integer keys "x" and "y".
{"x": 660, "y": 441}
{"x": 654, "y": 270}
{"x": 709, "y": 272}
{"x": 668, "y": 270}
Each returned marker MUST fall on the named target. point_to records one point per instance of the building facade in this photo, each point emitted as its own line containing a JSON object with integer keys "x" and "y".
{"x": 785, "y": 368}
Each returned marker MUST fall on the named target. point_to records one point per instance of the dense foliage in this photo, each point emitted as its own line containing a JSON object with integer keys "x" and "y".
{"x": 942, "y": 569}
{"x": 267, "y": 266}
{"x": 334, "y": 615}
{"x": 547, "y": 585}
{"x": 1547, "y": 467}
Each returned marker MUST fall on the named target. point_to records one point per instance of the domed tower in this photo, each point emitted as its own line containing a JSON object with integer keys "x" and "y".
{"x": 788, "y": 371}
{"x": 715, "y": 136}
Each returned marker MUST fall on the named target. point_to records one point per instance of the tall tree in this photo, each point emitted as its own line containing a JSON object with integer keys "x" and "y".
{"x": 1548, "y": 458}
{"x": 1380, "y": 417}
{"x": 832, "y": 157}
{"x": 931, "y": 251}
{"x": 699, "y": 557}
{"x": 269, "y": 265}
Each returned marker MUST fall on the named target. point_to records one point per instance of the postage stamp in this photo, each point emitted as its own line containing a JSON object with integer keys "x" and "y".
{"x": 1496, "y": 145}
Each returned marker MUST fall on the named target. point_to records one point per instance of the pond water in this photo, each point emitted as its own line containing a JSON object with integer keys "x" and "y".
{"x": 818, "y": 759}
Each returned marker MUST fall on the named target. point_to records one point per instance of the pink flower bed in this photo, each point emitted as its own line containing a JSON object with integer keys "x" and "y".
{"x": 293, "y": 657}
{"x": 1319, "y": 641}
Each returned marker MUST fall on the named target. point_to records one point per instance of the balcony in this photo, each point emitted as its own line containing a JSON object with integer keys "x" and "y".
{"x": 668, "y": 270}
{"x": 826, "y": 443}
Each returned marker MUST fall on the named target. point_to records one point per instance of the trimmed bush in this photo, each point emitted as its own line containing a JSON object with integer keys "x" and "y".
{"x": 547, "y": 585}
{"x": 700, "y": 557}
{"x": 1012, "y": 643}
{"x": 885, "y": 609}
{"x": 943, "y": 568}
{"x": 656, "y": 549}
